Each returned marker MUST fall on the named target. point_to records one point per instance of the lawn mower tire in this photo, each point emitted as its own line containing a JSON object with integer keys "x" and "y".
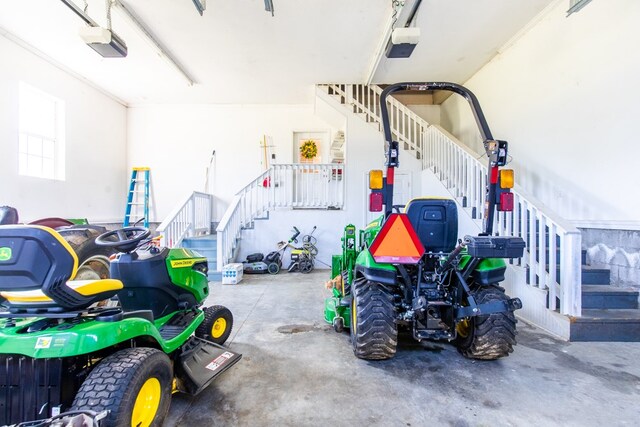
{"x": 217, "y": 324}
{"x": 273, "y": 268}
{"x": 133, "y": 384}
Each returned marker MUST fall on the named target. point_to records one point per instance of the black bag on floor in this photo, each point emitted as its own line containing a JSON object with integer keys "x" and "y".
{"x": 257, "y": 257}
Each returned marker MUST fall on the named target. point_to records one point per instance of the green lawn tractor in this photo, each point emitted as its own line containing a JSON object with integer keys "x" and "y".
{"x": 408, "y": 270}
{"x": 62, "y": 353}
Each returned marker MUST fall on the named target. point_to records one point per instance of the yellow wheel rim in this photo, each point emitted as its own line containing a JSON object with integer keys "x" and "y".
{"x": 353, "y": 314}
{"x": 147, "y": 403}
{"x": 464, "y": 328}
{"x": 218, "y": 328}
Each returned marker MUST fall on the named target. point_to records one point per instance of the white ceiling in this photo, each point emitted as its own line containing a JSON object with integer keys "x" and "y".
{"x": 237, "y": 53}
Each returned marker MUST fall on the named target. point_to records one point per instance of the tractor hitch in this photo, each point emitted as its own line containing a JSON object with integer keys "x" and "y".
{"x": 512, "y": 304}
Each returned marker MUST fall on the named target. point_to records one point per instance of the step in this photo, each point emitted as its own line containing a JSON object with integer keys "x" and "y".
{"x": 206, "y": 252}
{"x": 608, "y": 297}
{"x": 204, "y": 241}
{"x": 606, "y": 325}
{"x": 595, "y": 276}
{"x": 215, "y": 276}
{"x": 590, "y": 275}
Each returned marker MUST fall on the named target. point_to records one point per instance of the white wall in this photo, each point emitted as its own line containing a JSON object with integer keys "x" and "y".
{"x": 364, "y": 150}
{"x": 176, "y": 141}
{"x": 95, "y": 128}
{"x": 566, "y": 98}
{"x": 430, "y": 113}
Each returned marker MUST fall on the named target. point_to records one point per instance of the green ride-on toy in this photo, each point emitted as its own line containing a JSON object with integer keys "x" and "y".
{"x": 408, "y": 270}
{"x": 61, "y": 352}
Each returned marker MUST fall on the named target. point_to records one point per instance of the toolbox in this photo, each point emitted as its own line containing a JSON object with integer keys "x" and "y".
{"x": 495, "y": 247}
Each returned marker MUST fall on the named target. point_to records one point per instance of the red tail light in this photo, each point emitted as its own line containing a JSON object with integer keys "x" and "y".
{"x": 506, "y": 202}
{"x": 375, "y": 202}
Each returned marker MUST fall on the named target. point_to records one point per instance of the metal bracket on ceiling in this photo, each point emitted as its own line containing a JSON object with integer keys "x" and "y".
{"x": 268, "y": 6}
{"x": 201, "y": 5}
{"x": 402, "y": 18}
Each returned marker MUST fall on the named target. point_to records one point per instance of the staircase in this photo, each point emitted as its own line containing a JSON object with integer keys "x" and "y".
{"x": 608, "y": 313}
{"x": 189, "y": 226}
{"x": 560, "y": 293}
{"x": 207, "y": 246}
{"x": 282, "y": 186}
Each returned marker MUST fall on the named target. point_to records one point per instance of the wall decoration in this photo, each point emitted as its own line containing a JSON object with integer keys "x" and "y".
{"x": 309, "y": 149}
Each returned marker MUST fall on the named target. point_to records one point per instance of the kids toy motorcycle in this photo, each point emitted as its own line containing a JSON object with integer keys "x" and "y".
{"x": 59, "y": 353}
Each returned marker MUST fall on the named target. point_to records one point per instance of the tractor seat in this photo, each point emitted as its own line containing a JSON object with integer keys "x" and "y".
{"x": 435, "y": 220}
{"x": 95, "y": 290}
{"x": 37, "y": 267}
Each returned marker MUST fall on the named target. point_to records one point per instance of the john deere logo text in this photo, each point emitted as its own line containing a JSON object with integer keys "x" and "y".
{"x": 183, "y": 263}
{"x": 5, "y": 254}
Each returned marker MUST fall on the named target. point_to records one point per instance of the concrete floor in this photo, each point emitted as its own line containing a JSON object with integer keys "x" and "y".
{"x": 296, "y": 371}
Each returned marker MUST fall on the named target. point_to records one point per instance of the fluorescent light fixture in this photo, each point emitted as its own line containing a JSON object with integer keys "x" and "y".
{"x": 146, "y": 34}
{"x": 576, "y": 5}
{"x": 200, "y": 5}
{"x": 268, "y": 6}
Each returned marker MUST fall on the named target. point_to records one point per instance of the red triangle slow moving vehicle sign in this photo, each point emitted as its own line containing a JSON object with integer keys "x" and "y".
{"x": 397, "y": 242}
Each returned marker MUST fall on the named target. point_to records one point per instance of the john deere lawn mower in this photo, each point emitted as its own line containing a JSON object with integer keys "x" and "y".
{"x": 59, "y": 352}
{"x": 408, "y": 269}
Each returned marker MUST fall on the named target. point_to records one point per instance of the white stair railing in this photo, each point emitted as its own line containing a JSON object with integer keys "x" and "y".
{"x": 553, "y": 244}
{"x": 301, "y": 186}
{"x": 190, "y": 218}
{"x": 549, "y": 237}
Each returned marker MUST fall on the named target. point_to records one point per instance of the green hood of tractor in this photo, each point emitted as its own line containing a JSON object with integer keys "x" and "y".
{"x": 183, "y": 267}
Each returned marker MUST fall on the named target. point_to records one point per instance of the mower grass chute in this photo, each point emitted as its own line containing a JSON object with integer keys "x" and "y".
{"x": 409, "y": 269}
{"x": 59, "y": 352}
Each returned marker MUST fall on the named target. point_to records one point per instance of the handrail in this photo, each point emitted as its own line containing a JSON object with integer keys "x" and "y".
{"x": 295, "y": 185}
{"x": 190, "y": 218}
{"x": 550, "y": 263}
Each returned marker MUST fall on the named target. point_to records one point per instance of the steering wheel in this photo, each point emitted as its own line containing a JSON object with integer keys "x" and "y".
{"x": 126, "y": 239}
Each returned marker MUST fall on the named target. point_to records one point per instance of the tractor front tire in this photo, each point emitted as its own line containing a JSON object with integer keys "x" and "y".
{"x": 374, "y": 332}
{"x": 217, "y": 324}
{"x": 491, "y": 336}
{"x": 133, "y": 384}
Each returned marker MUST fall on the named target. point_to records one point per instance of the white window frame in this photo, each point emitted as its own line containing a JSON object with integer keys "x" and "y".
{"x": 41, "y": 156}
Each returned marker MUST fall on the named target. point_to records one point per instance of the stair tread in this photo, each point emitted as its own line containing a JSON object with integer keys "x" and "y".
{"x": 622, "y": 315}
{"x": 204, "y": 237}
{"x": 591, "y": 268}
{"x": 607, "y": 289}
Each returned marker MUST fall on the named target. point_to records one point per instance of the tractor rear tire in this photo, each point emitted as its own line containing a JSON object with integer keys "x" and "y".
{"x": 491, "y": 336}
{"x": 374, "y": 332}
{"x": 133, "y": 384}
{"x": 217, "y": 324}
{"x": 93, "y": 260}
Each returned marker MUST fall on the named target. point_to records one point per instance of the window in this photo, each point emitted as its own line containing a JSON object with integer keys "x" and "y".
{"x": 41, "y": 134}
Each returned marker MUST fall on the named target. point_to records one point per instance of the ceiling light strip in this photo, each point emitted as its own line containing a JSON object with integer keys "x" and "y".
{"x": 74, "y": 7}
{"x": 162, "y": 52}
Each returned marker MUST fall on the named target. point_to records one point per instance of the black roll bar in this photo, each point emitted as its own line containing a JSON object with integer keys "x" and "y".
{"x": 392, "y": 148}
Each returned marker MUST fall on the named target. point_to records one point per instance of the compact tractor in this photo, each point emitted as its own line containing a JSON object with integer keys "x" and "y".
{"x": 408, "y": 269}
{"x": 63, "y": 354}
